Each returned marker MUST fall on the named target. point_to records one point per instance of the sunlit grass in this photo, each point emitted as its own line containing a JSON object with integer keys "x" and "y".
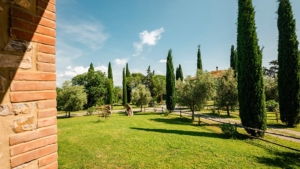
{"x": 148, "y": 140}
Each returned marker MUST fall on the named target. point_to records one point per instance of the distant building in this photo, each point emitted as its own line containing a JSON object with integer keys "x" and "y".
{"x": 217, "y": 73}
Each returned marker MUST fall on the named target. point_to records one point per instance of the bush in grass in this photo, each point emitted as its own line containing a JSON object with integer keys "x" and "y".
{"x": 272, "y": 105}
{"x": 229, "y": 130}
{"x": 91, "y": 110}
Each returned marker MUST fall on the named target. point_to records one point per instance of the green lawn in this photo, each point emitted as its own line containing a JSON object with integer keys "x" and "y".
{"x": 148, "y": 140}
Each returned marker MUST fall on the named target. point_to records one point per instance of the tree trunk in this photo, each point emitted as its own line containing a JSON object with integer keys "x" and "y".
{"x": 69, "y": 114}
{"x": 141, "y": 108}
{"x": 227, "y": 107}
{"x": 193, "y": 115}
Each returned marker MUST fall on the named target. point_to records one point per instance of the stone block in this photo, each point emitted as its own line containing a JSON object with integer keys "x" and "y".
{"x": 24, "y": 124}
{"x": 30, "y": 165}
{"x": 24, "y": 108}
{"x": 19, "y": 46}
{"x": 4, "y": 110}
{"x": 13, "y": 61}
{"x": 3, "y": 83}
{"x": 21, "y": 3}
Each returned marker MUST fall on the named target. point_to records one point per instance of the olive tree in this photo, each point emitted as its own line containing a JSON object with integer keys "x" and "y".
{"x": 141, "y": 96}
{"x": 194, "y": 92}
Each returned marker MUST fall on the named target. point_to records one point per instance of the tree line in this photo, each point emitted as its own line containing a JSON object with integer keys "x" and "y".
{"x": 246, "y": 84}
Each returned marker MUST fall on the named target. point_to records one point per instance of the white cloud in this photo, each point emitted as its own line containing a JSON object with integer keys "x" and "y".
{"x": 87, "y": 32}
{"x": 162, "y": 61}
{"x": 102, "y": 68}
{"x": 147, "y": 38}
{"x": 121, "y": 61}
{"x": 151, "y": 38}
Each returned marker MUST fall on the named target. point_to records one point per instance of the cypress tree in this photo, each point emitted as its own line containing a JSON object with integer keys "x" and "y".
{"x": 124, "y": 88}
{"x": 250, "y": 79}
{"x": 109, "y": 96}
{"x": 170, "y": 83}
{"x": 177, "y": 73}
{"x": 288, "y": 61}
{"x": 110, "y": 74}
{"x": 232, "y": 58}
{"x": 180, "y": 74}
{"x": 127, "y": 86}
{"x": 199, "y": 61}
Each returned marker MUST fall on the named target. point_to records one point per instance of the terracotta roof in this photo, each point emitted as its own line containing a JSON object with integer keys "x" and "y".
{"x": 217, "y": 73}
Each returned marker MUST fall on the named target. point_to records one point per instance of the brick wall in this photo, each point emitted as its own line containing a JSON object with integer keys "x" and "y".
{"x": 28, "y": 137}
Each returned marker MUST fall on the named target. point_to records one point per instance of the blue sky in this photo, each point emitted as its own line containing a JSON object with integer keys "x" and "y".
{"x": 140, "y": 33}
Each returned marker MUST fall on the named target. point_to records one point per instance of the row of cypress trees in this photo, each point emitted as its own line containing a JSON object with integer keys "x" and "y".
{"x": 249, "y": 68}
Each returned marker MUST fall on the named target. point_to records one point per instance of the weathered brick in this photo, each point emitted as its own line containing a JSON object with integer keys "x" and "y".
{"x": 28, "y": 146}
{"x": 46, "y": 5}
{"x": 32, "y": 76}
{"x": 46, "y": 14}
{"x": 46, "y": 49}
{"x": 30, "y": 36}
{"x": 47, "y": 113}
{"x": 45, "y": 122}
{"x": 31, "y": 96}
{"x": 46, "y": 104}
{"x": 48, "y": 159}
{"x": 17, "y": 13}
{"x": 46, "y": 58}
{"x": 21, "y": 24}
{"x": 32, "y": 135}
{"x": 32, "y": 85}
{"x": 53, "y": 165}
{"x": 32, "y": 155}
{"x": 46, "y": 67}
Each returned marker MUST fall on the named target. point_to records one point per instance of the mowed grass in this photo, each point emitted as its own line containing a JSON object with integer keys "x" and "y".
{"x": 148, "y": 140}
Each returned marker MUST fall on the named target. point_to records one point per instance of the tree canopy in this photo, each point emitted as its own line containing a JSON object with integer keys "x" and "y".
{"x": 71, "y": 98}
{"x": 141, "y": 96}
{"x": 194, "y": 92}
{"x": 170, "y": 83}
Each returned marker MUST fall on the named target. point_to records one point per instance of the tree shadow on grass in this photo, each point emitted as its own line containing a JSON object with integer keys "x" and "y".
{"x": 177, "y": 121}
{"x": 139, "y": 113}
{"x": 181, "y": 132}
{"x": 282, "y": 160}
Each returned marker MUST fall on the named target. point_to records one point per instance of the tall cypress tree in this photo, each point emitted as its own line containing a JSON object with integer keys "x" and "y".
{"x": 232, "y": 58}
{"x": 124, "y": 88}
{"x": 180, "y": 74}
{"x": 170, "y": 83}
{"x": 110, "y": 74}
{"x": 109, "y": 96}
{"x": 110, "y": 84}
{"x": 288, "y": 61}
{"x": 128, "y": 86}
{"x": 250, "y": 79}
{"x": 199, "y": 61}
{"x": 177, "y": 73}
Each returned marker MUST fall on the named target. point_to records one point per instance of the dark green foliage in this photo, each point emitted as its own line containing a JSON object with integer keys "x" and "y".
{"x": 71, "y": 98}
{"x": 250, "y": 80}
{"x": 288, "y": 61}
{"x": 110, "y": 74}
{"x": 127, "y": 85}
{"x": 148, "y": 81}
{"x": 199, "y": 61}
{"x": 273, "y": 70}
{"x": 179, "y": 73}
{"x": 272, "y": 105}
{"x": 232, "y": 58}
{"x": 170, "y": 83}
{"x": 124, "y": 88}
{"x": 229, "y": 130}
{"x": 95, "y": 87}
{"x": 94, "y": 83}
{"x": 110, "y": 92}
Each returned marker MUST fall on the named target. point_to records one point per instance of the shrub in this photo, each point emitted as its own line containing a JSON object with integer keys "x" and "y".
{"x": 213, "y": 110}
{"x": 91, "y": 110}
{"x": 272, "y": 105}
{"x": 229, "y": 130}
